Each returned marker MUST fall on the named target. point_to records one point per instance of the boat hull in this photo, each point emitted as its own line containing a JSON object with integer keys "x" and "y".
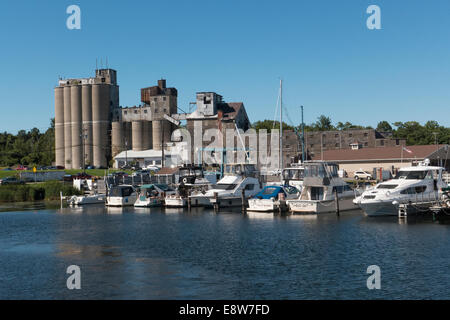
{"x": 120, "y": 201}
{"x": 266, "y": 205}
{"x": 320, "y": 206}
{"x": 86, "y": 200}
{"x": 175, "y": 202}
{"x": 148, "y": 203}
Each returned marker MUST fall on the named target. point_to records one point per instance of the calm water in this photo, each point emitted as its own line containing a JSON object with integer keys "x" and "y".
{"x": 171, "y": 254}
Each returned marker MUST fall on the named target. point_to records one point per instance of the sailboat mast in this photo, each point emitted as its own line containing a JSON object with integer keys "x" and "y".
{"x": 281, "y": 129}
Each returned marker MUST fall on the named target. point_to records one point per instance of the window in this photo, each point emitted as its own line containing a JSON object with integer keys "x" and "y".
{"x": 366, "y": 134}
{"x": 337, "y": 145}
{"x": 125, "y": 112}
{"x": 397, "y": 142}
{"x": 145, "y": 111}
{"x": 336, "y": 135}
{"x": 135, "y": 111}
{"x": 249, "y": 187}
{"x": 366, "y": 144}
{"x": 156, "y": 110}
{"x": 350, "y": 134}
{"x": 164, "y": 98}
{"x": 381, "y": 142}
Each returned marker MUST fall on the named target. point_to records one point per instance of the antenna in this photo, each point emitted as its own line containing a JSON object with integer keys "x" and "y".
{"x": 106, "y": 62}
{"x": 96, "y": 63}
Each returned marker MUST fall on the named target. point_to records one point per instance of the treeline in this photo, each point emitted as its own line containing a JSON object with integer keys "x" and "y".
{"x": 28, "y": 147}
{"x": 414, "y": 133}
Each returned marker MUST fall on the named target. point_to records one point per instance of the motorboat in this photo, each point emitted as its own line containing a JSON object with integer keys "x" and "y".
{"x": 417, "y": 186}
{"x": 320, "y": 186}
{"x": 86, "y": 199}
{"x": 152, "y": 195}
{"x": 273, "y": 198}
{"x": 191, "y": 179}
{"x": 238, "y": 178}
{"x": 121, "y": 195}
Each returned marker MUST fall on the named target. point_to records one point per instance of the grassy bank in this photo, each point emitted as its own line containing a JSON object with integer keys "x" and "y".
{"x": 33, "y": 192}
{"x": 92, "y": 172}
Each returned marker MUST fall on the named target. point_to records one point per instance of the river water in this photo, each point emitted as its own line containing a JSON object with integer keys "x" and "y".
{"x": 175, "y": 254}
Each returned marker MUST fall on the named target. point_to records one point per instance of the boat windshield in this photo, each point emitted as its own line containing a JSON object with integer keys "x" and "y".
{"x": 414, "y": 175}
{"x": 120, "y": 192}
{"x": 269, "y": 190}
{"x": 387, "y": 186}
{"x": 224, "y": 186}
{"x": 293, "y": 174}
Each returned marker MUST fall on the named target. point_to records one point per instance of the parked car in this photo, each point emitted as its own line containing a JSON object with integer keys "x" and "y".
{"x": 21, "y": 167}
{"x": 7, "y": 169}
{"x": 68, "y": 178}
{"x": 362, "y": 175}
{"x": 59, "y": 167}
{"x": 11, "y": 180}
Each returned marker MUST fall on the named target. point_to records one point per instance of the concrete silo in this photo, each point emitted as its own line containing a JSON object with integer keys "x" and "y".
{"x": 147, "y": 134}
{"x": 75, "y": 107}
{"x": 156, "y": 134}
{"x": 117, "y": 138}
{"x": 59, "y": 126}
{"x": 86, "y": 102}
{"x": 100, "y": 113}
{"x": 136, "y": 127}
{"x": 67, "y": 129}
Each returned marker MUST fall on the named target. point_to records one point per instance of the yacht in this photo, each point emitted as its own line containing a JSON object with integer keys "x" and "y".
{"x": 320, "y": 184}
{"x": 416, "y": 185}
{"x": 86, "y": 199}
{"x": 191, "y": 179}
{"x": 151, "y": 195}
{"x": 120, "y": 196}
{"x": 228, "y": 190}
{"x": 273, "y": 198}
{"x": 294, "y": 175}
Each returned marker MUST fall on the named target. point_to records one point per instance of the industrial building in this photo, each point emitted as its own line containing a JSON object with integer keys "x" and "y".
{"x": 83, "y": 114}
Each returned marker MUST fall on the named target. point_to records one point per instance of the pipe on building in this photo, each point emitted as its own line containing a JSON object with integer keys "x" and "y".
{"x": 86, "y": 105}
{"x": 59, "y": 126}
{"x": 67, "y": 129}
{"x": 100, "y": 113}
{"x": 75, "y": 107}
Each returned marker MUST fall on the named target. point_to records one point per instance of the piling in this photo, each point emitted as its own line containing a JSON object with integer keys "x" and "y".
{"x": 244, "y": 206}
{"x": 336, "y": 201}
{"x": 189, "y": 201}
{"x": 216, "y": 203}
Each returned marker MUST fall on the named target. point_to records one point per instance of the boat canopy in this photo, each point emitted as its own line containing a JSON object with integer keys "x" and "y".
{"x": 269, "y": 192}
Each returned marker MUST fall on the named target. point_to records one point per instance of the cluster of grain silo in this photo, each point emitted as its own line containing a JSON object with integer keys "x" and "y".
{"x": 83, "y": 109}
{"x": 144, "y": 127}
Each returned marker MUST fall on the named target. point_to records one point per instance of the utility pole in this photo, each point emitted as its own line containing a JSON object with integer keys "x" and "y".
{"x": 303, "y": 137}
{"x": 437, "y": 146}
{"x": 281, "y": 129}
{"x": 126, "y": 152}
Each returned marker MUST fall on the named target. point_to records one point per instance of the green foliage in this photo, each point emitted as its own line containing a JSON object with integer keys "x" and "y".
{"x": 28, "y": 148}
{"x": 34, "y": 192}
{"x": 269, "y": 125}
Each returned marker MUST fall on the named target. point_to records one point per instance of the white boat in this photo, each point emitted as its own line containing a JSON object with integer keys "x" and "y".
{"x": 228, "y": 190}
{"x": 121, "y": 196}
{"x": 417, "y": 185}
{"x": 294, "y": 175}
{"x": 320, "y": 185}
{"x": 191, "y": 180}
{"x": 86, "y": 199}
{"x": 272, "y": 198}
{"x": 151, "y": 195}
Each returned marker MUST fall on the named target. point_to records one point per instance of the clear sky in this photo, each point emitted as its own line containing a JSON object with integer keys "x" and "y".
{"x": 329, "y": 61}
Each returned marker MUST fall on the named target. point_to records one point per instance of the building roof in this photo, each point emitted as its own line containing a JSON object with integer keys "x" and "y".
{"x": 167, "y": 170}
{"x": 378, "y": 153}
{"x": 230, "y": 109}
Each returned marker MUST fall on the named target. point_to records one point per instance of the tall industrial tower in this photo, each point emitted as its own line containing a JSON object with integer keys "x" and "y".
{"x": 84, "y": 108}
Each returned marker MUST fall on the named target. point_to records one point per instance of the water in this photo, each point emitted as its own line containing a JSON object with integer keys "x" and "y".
{"x": 173, "y": 254}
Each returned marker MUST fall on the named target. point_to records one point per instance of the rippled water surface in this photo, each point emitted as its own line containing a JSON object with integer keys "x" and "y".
{"x": 175, "y": 254}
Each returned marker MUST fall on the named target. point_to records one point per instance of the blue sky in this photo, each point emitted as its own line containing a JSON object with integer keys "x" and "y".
{"x": 329, "y": 61}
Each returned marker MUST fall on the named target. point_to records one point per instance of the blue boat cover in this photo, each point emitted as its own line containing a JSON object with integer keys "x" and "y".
{"x": 269, "y": 192}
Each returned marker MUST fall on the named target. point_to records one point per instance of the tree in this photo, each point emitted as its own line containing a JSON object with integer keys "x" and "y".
{"x": 384, "y": 126}
{"x": 323, "y": 123}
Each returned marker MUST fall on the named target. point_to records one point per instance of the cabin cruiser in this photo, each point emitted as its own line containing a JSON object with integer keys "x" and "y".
{"x": 191, "y": 179}
{"x": 228, "y": 190}
{"x": 151, "y": 195}
{"x": 120, "y": 196}
{"x": 86, "y": 199}
{"x": 417, "y": 185}
{"x": 273, "y": 198}
{"x": 320, "y": 184}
